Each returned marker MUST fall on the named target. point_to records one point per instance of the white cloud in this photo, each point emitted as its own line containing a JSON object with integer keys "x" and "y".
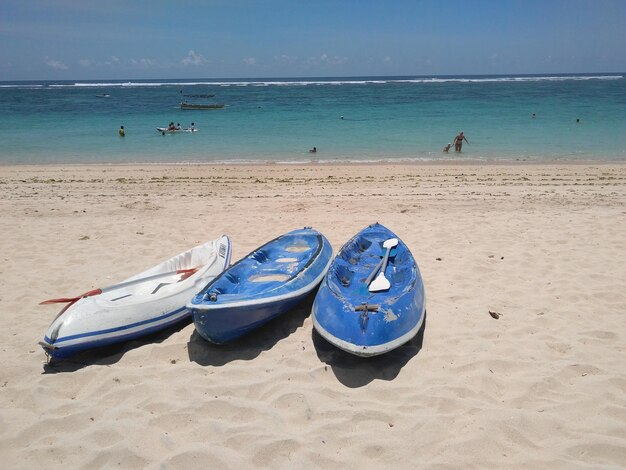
{"x": 387, "y": 60}
{"x": 144, "y": 62}
{"x": 286, "y": 59}
{"x": 111, "y": 61}
{"x": 249, "y": 61}
{"x": 325, "y": 59}
{"x": 193, "y": 58}
{"x": 55, "y": 64}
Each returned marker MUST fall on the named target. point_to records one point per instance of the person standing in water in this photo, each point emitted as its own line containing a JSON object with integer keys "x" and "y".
{"x": 458, "y": 142}
{"x": 122, "y": 133}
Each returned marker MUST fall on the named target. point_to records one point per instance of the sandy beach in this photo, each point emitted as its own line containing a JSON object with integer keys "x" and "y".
{"x": 543, "y": 386}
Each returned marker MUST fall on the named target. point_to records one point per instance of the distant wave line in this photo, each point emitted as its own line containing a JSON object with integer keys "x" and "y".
{"x": 331, "y": 82}
{"x": 22, "y": 86}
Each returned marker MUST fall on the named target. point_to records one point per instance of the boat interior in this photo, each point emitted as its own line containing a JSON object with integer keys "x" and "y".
{"x": 360, "y": 257}
{"x": 270, "y": 266}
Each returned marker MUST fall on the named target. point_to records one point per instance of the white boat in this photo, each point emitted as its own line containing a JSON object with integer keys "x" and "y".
{"x": 167, "y": 130}
{"x": 145, "y": 303}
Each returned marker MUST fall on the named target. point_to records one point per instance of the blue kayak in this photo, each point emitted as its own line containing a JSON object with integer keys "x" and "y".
{"x": 266, "y": 283}
{"x": 370, "y": 318}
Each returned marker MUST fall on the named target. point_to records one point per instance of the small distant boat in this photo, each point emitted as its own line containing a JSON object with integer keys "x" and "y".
{"x": 185, "y": 105}
{"x": 145, "y": 303}
{"x": 197, "y": 95}
{"x": 265, "y": 284}
{"x": 103, "y": 95}
{"x": 198, "y": 106}
{"x": 372, "y": 299}
{"x": 167, "y": 130}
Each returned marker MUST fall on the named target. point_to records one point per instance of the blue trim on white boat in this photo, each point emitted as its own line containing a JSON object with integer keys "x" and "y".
{"x": 67, "y": 350}
{"x": 119, "y": 328}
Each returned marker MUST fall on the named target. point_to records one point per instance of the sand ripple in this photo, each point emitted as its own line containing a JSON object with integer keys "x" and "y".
{"x": 543, "y": 386}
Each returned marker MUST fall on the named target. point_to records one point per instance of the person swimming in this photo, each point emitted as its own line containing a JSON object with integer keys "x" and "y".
{"x": 313, "y": 150}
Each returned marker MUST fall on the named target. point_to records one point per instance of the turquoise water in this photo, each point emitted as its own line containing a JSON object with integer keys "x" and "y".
{"x": 384, "y": 118}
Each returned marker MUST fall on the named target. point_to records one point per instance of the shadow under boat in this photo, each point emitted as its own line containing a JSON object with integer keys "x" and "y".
{"x": 352, "y": 371}
{"x": 110, "y": 354}
{"x": 355, "y": 371}
{"x": 200, "y": 351}
{"x": 249, "y": 346}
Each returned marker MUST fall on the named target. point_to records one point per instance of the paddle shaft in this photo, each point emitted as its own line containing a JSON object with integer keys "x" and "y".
{"x": 381, "y": 283}
{"x": 185, "y": 272}
{"x": 146, "y": 279}
{"x": 372, "y": 275}
{"x": 385, "y": 260}
{"x": 392, "y": 244}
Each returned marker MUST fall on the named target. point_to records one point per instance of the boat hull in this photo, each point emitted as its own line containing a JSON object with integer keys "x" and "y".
{"x": 265, "y": 284}
{"x": 224, "y": 325}
{"x": 364, "y": 323}
{"x": 137, "y": 310}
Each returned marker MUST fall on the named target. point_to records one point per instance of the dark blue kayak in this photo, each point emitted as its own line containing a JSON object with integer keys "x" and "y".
{"x": 349, "y": 315}
{"x": 266, "y": 283}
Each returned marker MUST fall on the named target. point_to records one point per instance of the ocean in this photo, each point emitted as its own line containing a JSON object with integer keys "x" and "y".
{"x": 361, "y": 119}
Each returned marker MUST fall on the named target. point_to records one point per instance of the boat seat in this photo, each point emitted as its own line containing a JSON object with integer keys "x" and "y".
{"x": 298, "y": 248}
{"x": 260, "y": 256}
{"x": 230, "y": 284}
{"x": 299, "y": 244}
{"x": 342, "y": 275}
{"x": 269, "y": 277}
{"x": 349, "y": 257}
{"x": 399, "y": 277}
{"x": 355, "y": 248}
{"x": 363, "y": 244}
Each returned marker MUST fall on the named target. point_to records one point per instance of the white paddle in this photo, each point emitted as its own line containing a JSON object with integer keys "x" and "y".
{"x": 381, "y": 282}
{"x": 392, "y": 242}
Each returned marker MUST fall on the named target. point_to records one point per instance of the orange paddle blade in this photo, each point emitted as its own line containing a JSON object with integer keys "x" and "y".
{"x": 64, "y": 300}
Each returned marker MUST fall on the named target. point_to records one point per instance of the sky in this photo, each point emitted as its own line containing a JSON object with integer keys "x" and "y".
{"x": 112, "y": 39}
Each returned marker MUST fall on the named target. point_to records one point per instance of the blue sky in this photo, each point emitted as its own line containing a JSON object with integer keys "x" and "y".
{"x": 85, "y": 39}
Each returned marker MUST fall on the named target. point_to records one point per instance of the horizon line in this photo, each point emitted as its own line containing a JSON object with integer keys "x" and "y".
{"x": 318, "y": 77}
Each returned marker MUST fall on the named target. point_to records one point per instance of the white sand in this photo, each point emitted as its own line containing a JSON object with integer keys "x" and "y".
{"x": 544, "y": 386}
